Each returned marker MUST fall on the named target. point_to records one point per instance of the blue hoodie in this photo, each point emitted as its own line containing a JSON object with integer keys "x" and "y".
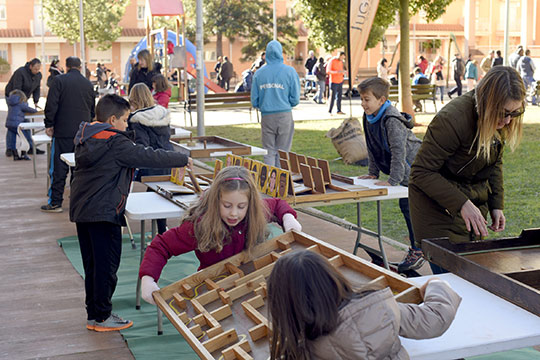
{"x": 276, "y": 86}
{"x": 16, "y": 110}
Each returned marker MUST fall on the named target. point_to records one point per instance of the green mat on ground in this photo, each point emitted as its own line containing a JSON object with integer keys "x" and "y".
{"x": 142, "y": 338}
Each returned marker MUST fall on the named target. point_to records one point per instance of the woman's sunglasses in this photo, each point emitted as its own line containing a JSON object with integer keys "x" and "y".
{"x": 513, "y": 114}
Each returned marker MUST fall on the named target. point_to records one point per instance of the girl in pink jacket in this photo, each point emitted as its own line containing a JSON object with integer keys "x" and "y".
{"x": 229, "y": 217}
{"x": 162, "y": 90}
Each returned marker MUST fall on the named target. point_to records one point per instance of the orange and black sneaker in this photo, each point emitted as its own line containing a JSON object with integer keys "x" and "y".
{"x": 90, "y": 324}
{"x": 112, "y": 323}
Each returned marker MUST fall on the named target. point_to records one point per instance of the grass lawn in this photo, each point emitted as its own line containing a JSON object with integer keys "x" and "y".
{"x": 521, "y": 172}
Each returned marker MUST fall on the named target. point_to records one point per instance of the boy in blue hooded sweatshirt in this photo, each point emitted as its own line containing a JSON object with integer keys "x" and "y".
{"x": 392, "y": 147}
{"x": 275, "y": 91}
{"x": 105, "y": 156}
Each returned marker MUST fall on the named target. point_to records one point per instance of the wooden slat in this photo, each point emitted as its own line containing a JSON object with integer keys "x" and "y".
{"x": 228, "y": 353}
{"x": 223, "y": 339}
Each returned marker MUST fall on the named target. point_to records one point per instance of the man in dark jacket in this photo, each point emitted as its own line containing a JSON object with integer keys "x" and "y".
{"x": 27, "y": 78}
{"x": 226, "y": 73}
{"x": 69, "y": 102}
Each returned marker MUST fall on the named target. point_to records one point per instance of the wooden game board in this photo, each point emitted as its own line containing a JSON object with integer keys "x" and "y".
{"x": 312, "y": 181}
{"x": 221, "y": 310}
{"x": 204, "y": 146}
{"x": 509, "y": 267}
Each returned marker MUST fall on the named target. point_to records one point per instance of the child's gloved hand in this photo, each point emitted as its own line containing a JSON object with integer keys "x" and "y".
{"x": 290, "y": 223}
{"x": 148, "y": 286}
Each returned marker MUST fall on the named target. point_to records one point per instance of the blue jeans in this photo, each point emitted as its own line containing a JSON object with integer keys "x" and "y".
{"x": 529, "y": 82}
{"x": 319, "y": 95}
{"x": 11, "y": 138}
{"x": 336, "y": 95}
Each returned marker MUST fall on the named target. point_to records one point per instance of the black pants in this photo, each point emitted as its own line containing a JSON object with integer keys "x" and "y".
{"x": 59, "y": 169}
{"x": 337, "y": 90}
{"x": 458, "y": 88}
{"x": 101, "y": 247}
{"x": 404, "y": 207}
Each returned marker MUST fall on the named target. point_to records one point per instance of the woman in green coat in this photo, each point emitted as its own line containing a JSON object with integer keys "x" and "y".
{"x": 456, "y": 178}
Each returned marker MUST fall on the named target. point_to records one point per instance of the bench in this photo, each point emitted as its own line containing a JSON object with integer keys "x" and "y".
{"x": 419, "y": 92}
{"x": 219, "y": 101}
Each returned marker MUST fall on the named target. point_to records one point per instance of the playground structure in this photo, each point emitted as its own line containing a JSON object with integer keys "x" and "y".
{"x": 182, "y": 60}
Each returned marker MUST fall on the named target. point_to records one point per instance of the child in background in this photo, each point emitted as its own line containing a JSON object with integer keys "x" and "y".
{"x": 105, "y": 155}
{"x": 17, "y": 106}
{"x": 392, "y": 147}
{"x": 316, "y": 313}
{"x": 229, "y": 217}
{"x": 162, "y": 90}
{"x": 151, "y": 125}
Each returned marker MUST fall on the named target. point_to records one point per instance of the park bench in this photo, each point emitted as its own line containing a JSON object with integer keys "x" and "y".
{"x": 220, "y": 101}
{"x": 419, "y": 92}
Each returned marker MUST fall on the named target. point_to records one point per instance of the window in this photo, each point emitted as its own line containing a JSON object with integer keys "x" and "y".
{"x": 140, "y": 12}
{"x": 52, "y": 52}
{"x": 4, "y": 54}
{"x": 97, "y": 56}
{"x": 2, "y": 12}
{"x": 210, "y": 55}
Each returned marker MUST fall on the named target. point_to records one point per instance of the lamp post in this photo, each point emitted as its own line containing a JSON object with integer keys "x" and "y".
{"x": 83, "y": 50}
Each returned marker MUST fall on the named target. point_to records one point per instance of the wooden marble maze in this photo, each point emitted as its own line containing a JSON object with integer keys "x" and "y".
{"x": 221, "y": 310}
{"x": 312, "y": 181}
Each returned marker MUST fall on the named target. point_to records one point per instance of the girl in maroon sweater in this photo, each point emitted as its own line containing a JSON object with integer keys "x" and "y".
{"x": 228, "y": 218}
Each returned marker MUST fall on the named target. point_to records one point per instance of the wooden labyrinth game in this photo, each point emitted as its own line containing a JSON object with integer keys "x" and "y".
{"x": 204, "y": 146}
{"x": 221, "y": 310}
{"x": 508, "y": 267}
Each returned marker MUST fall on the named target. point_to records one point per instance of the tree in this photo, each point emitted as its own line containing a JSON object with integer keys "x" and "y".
{"x": 100, "y": 18}
{"x": 327, "y": 21}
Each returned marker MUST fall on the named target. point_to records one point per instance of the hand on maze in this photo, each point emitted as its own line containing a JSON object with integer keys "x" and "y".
{"x": 474, "y": 221}
{"x": 290, "y": 223}
{"x": 148, "y": 286}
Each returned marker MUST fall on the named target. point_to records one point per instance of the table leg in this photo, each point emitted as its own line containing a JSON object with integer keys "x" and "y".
{"x": 138, "y": 291}
{"x": 34, "y": 158}
{"x": 359, "y": 223}
{"x": 159, "y": 313}
{"x": 48, "y": 164}
{"x": 379, "y": 234}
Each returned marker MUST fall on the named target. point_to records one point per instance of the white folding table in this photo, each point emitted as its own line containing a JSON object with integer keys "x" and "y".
{"x": 484, "y": 324}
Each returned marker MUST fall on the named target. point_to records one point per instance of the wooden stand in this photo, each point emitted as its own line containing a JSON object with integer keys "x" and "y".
{"x": 221, "y": 310}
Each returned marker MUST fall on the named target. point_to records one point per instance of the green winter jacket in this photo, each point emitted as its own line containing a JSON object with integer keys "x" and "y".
{"x": 446, "y": 173}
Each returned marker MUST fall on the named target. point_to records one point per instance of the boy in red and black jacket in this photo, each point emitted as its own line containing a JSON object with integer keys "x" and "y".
{"x": 105, "y": 156}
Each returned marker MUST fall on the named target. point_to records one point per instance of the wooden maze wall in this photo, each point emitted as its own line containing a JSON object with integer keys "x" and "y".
{"x": 221, "y": 310}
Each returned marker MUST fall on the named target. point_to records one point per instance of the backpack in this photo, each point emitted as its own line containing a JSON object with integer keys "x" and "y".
{"x": 460, "y": 68}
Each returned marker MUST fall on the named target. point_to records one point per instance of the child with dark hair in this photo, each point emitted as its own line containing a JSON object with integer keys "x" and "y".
{"x": 106, "y": 156}
{"x": 17, "y": 106}
{"x": 317, "y": 314}
{"x": 392, "y": 147}
{"x": 162, "y": 90}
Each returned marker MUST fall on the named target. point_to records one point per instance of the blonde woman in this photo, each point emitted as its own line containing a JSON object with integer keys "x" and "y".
{"x": 456, "y": 178}
{"x": 144, "y": 70}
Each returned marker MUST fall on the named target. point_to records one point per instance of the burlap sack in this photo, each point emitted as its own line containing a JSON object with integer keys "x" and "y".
{"x": 349, "y": 141}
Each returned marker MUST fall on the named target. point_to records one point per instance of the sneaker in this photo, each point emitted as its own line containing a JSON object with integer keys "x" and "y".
{"x": 449, "y": 95}
{"x": 52, "y": 208}
{"x": 9, "y": 153}
{"x": 341, "y": 113}
{"x": 113, "y": 323}
{"x": 90, "y": 324}
{"x": 413, "y": 261}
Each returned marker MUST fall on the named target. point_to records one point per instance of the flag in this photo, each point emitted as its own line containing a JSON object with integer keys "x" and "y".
{"x": 359, "y": 21}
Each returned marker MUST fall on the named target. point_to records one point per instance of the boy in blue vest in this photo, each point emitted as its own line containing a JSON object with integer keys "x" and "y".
{"x": 105, "y": 156}
{"x": 392, "y": 147}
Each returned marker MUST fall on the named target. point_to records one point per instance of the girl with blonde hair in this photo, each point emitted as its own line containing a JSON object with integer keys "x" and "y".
{"x": 457, "y": 176}
{"x": 228, "y": 218}
{"x": 151, "y": 124}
